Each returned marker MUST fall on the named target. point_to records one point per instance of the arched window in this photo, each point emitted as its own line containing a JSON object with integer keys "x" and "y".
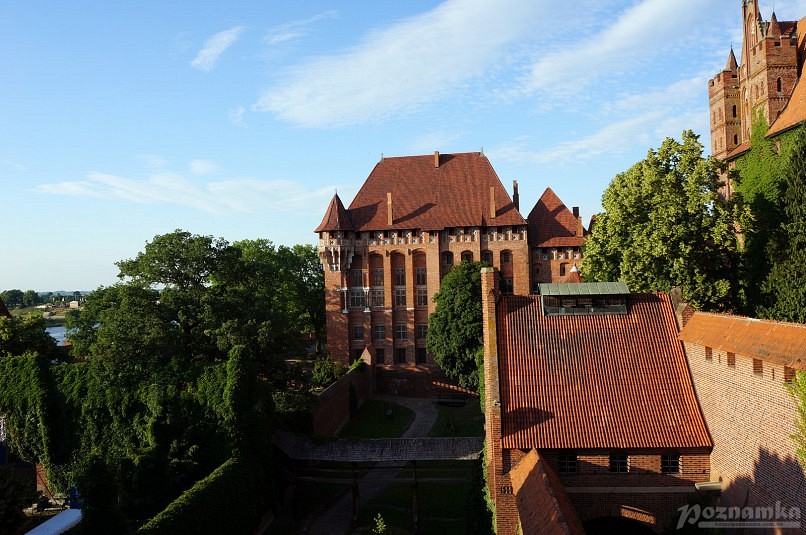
{"x": 734, "y": 110}
{"x": 778, "y": 85}
{"x": 487, "y": 257}
{"x": 467, "y": 256}
{"x": 447, "y": 258}
{"x": 735, "y": 139}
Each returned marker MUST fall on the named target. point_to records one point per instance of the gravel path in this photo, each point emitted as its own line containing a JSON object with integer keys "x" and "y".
{"x": 337, "y": 518}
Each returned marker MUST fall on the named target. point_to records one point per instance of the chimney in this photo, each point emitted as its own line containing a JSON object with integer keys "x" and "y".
{"x": 575, "y": 209}
{"x": 389, "y": 219}
{"x": 516, "y": 199}
{"x": 436, "y": 159}
{"x": 580, "y": 229}
{"x": 492, "y": 202}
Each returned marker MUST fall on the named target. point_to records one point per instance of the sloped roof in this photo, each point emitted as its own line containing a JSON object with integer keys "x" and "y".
{"x": 793, "y": 113}
{"x": 336, "y": 217}
{"x": 551, "y": 224}
{"x": 4, "y": 310}
{"x": 611, "y": 381}
{"x": 738, "y": 151}
{"x": 774, "y": 341}
{"x": 455, "y": 194}
{"x": 543, "y": 506}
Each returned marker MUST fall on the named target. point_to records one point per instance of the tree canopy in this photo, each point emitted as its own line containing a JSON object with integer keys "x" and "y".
{"x": 665, "y": 225}
{"x": 455, "y": 335}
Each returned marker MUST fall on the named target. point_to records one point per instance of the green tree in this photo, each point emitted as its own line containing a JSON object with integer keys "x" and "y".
{"x": 784, "y": 290}
{"x": 665, "y": 225}
{"x": 12, "y": 298}
{"x": 30, "y": 298}
{"x": 455, "y": 335}
{"x": 15, "y": 495}
{"x": 25, "y": 335}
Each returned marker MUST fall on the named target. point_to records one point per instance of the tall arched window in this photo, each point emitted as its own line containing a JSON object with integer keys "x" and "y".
{"x": 734, "y": 110}
{"x": 778, "y": 85}
{"x": 735, "y": 139}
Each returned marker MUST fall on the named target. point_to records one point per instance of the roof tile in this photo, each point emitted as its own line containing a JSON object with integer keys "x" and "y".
{"x": 551, "y": 224}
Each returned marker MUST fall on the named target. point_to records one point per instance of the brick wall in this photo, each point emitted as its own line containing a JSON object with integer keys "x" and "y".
{"x": 751, "y": 417}
{"x": 332, "y": 411}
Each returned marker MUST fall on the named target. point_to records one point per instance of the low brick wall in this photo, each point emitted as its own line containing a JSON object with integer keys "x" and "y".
{"x": 411, "y": 381}
{"x": 332, "y": 411}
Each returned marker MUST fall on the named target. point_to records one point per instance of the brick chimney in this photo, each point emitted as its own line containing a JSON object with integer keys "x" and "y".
{"x": 436, "y": 159}
{"x": 516, "y": 199}
{"x": 389, "y": 219}
{"x": 580, "y": 229}
{"x": 492, "y": 202}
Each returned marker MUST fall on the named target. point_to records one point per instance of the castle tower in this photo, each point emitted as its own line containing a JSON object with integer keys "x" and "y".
{"x": 726, "y": 123}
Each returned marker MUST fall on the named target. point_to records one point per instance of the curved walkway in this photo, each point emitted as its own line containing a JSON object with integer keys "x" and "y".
{"x": 337, "y": 518}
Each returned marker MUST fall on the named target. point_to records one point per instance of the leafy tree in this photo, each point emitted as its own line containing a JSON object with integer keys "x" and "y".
{"x": 665, "y": 225}
{"x": 12, "y": 298}
{"x": 25, "y": 335}
{"x": 784, "y": 290}
{"x": 15, "y": 495}
{"x": 30, "y": 298}
{"x": 455, "y": 335}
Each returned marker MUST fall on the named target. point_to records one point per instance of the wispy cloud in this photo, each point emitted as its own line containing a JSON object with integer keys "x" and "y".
{"x": 207, "y": 57}
{"x": 296, "y": 29}
{"x": 216, "y": 197}
{"x": 15, "y": 165}
{"x": 236, "y": 116}
{"x": 202, "y": 167}
{"x": 409, "y": 64}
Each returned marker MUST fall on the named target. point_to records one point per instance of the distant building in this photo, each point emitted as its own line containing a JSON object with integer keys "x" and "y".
{"x": 414, "y": 218}
{"x": 587, "y": 391}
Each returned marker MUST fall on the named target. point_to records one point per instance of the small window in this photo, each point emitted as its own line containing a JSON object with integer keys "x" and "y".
{"x": 376, "y": 297}
{"x": 670, "y": 463}
{"x": 731, "y": 359}
{"x": 758, "y": 367}
{"x": 379, "y": 332}
{"x": 709, "y": 353}
{"x": 377, "y": 277}
{"x": 467, "y": 256}
{"x": 568, "y": 463}
{"x": 422, "y": 297}
{"x": 400, "y": 297}
{"x": 487, "y": 257}
{"x": 447, "y": 258}
{"x": 358, "y": 332}
{"x": 357, "y": 298}
{"x": 400, "y": 331}
{"x": 734, "y": 110}
{"x": 735, "y": 139}
{"x": 563, "y": 268}
{"x": 400, "y": 277}
{"x": 419, "y": 355}
{"x": 420, "y": 278}
{"x": 422, "y": 331}
{"x": 505, "y": 257}
{"x": 379, "y": 355}
{"x": 357, "y": 278}
{"x": 400, "y": 355}
{"x": 619, "y": 463}
{"x": 778, "y": 85}
{"x": 506, "y": 286}
{"x": 789, "y": 374}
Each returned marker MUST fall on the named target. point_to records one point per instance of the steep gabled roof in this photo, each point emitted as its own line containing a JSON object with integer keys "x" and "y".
{"x": 336, "y": 217}
{"x": 551, "y": 224}
{"x": 732, "y": 65}
{"x": 595, "y": 382}
{"x": 774, "y": 341}
{"x": 4, "y": 310}
{"x": 424, "y": 196}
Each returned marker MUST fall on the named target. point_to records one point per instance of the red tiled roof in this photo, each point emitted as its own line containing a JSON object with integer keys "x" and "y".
{"x": 738, "y": 151}
{"x": 551, "y": 224}
{"x": 773, "y": 341}
{"x": 455, "y": 194}
{"x": 3, "y": 310}
{"x": 336, "y": 217}
{"x": 793, "y": 113}
{"x": 543, "y": 506}
{"x": 608, "y": 381}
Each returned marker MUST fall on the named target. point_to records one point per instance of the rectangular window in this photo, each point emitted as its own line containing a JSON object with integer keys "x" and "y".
{"x": 709, "y": 353}
{"x": 400, "y": 277}
{"x": 505, "y": 257}
{"x": 357, "y": 278}
{"x": 731, "y": 359}
{"x": 506, "y": 286}
{"x": 420, "y": 278}
{"x": 379, "y": 355}
{"x": 568, "y": 463}
{"x": 358, "y": 332}
{"x": 377, "y": 277}
{"x": 789, "y": 374}
{"x": 670, "y": 463}
{"x": 357, "y": 298}
{"x": 400, "y": 332}
{"x": 422, "y": 297}
{"x": 758, "y": 367}
{"x": 400, "y": 297}
{"x": 379, "y": 332}
{"x": 376, "y": 297}
{"x": 619, "y": 463}
{"x": 400, "y": 355}
{"x": 420, "y": 355}
{"x": 422, "y": 331}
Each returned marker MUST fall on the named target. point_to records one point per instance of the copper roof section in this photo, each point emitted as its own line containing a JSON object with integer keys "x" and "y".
{"x": 543, "y": 506}
{"x": 778, "y": 342}
{"x": 336, "y": 217}
{"x": 4, "y": 310}
{"x": 551, "y": 224}
{"x": 592, "y": 382}
{"x": 424, "y": 196}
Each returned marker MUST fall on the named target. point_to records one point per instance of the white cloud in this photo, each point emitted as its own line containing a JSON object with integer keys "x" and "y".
{"x": 202, "y": 167}
{"x": 15, "y": 165}
{"x": 207, "y": 57}
{"x": 643, "y": 32}
{"x": 412, "y": 63}
{"x": 295, "y": 29}
{"x": 219, "y": 197}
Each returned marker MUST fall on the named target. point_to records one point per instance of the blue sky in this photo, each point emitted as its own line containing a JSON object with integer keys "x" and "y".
{"x": 123, "y": 120}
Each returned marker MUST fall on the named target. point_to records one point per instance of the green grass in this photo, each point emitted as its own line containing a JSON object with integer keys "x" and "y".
{"x": 464, "y": 421}
{"x": 372, "y": 421}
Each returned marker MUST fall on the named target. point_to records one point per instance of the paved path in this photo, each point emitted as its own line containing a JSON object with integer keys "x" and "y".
{"x": 337, "y": 518}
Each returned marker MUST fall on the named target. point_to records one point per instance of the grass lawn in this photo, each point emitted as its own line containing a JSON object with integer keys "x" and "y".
{"x": 464, "y": 421}
{"x": 372, "y": 420}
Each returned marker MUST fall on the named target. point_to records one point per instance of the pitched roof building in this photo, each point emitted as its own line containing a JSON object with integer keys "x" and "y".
{"x": 596, "y": 381}
{"x": 410, "y": 222}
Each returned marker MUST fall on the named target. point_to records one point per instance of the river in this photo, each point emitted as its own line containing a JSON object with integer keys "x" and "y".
{"x": 58, "y": 332}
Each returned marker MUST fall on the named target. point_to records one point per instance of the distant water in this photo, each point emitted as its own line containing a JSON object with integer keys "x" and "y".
{"x": 58, "y": 332}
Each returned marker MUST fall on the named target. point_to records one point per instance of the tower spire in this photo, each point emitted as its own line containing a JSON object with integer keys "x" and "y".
{"x": 774, "y": 29}
{"x": 732, "y": 64}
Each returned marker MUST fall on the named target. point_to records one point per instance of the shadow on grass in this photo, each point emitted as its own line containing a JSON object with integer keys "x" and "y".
{"x": 378, "y": 419}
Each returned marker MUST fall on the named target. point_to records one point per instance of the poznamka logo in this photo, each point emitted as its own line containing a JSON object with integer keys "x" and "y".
{"x": 740, "y": 517}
